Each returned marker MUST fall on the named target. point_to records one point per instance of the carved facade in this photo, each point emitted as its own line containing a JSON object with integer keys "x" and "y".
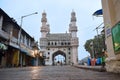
{"x": 65, "y": 44}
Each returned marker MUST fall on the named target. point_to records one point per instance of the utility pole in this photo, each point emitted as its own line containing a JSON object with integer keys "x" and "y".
{"x": 97, "y": 28}
{"x": 19, "y": 35}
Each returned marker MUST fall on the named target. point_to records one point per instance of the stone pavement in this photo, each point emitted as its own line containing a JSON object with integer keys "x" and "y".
{"x": 54, "y": 73}
{"x": 95, "y": 68}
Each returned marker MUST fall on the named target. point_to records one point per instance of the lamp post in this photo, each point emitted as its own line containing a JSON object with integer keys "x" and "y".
{"x": 20, "y": 31}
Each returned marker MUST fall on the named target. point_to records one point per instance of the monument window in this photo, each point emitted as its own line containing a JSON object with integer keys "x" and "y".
{"x": 48, "y": 48}
{"x": 68, "y": 43}
{"x": 65, "y": 43}
{"x": 61, "y": 43}
{"x": 48, "y": 53}
{"x": 48, "y": 43}
{"x": 69, "y": 53}
{"x": 55, "y": 43}
{"x": 68, "y": 48}
{"x": 52, "y": 43}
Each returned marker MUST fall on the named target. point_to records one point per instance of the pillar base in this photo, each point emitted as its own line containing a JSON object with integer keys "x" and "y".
{"x": 113, "y": 65}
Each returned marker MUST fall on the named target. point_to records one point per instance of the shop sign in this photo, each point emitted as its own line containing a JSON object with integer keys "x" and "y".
{"x": 108, "y": 31}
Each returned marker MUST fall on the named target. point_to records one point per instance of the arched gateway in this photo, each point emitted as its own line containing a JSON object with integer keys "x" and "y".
{"x": 59, "y": 61}
{"x": 65, "y": 44}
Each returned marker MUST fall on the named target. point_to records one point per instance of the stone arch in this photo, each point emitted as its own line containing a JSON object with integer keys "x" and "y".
{"x": 59, "y": 52}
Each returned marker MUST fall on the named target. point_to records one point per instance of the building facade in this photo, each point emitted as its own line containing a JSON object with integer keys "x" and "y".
{"x": 111, "y": 15}
{"x": 19, "y": 50}
{"x": 65, "y": 44}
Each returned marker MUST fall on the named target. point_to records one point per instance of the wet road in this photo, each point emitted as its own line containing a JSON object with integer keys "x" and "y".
{"x": 54, "y": 73}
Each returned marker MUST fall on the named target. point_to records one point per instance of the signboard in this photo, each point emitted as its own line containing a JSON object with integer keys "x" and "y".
{"x": 108, "y": 31}
{"x": 116, "y": 37}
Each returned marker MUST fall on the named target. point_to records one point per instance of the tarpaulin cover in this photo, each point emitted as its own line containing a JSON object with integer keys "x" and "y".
{"x": 98, "y": 12}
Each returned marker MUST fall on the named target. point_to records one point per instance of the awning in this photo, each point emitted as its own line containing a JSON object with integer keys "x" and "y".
{"x": 3, "y": 46}
{"x": 27, "y": 52}
{"x": 24, "y": 51}
{"x": 98, "y": 12}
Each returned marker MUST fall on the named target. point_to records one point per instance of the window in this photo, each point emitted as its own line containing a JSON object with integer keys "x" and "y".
{"x": 68, "y": 48}
{"x": 55, "y": 43}
{"x": 48, "y": 43}
{"x": 61, "y": 43}
{"x": 48, "y": 53}
{"x": 52, "y": 43}
{"x": 65, "y": 43}
{"x": 69, "y": 53}
{"x": 68, "y": 43}
{"x": 48, "y": 48}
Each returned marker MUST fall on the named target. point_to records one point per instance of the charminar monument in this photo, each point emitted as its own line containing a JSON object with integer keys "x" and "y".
{"x": 65, "y": 44}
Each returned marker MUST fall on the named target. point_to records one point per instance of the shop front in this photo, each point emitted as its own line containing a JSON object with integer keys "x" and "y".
{"x": 26, "y": 57}
{"x": 12, "y": 57}
{"x": 3, "y": 49}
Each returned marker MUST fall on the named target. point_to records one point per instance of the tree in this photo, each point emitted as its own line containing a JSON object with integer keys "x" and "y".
{"x": 98, "y": 46}
{"x": 87, "y": 46}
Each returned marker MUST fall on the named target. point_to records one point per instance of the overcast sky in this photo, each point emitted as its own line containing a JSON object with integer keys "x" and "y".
{"x": 58, "y": 16}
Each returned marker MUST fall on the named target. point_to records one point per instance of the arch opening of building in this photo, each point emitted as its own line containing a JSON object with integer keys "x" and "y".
{"x": 59, "y": 58}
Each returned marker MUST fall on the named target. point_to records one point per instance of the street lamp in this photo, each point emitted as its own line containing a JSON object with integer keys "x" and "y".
{"x": 22, "y": 22}
{"x": 26, "y": 16}
{"x": 20, "y": 31}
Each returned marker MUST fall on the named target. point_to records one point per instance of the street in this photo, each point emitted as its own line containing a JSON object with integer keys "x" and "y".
{"x": 54, "y": 73}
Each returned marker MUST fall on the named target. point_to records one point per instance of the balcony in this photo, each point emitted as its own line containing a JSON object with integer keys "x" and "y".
{"x": 4, "y": 34}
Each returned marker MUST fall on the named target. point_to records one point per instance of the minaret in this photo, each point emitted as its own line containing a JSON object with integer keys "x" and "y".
{"x": 48, "y": 28}
{"x": 72, "y": 25}
{"x": 74, "y": 40}
{"x": 44, "y": 27}
{"x": 44, "y": 31}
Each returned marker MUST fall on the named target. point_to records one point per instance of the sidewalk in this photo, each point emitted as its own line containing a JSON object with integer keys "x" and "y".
{"x": 95, "y": 68}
